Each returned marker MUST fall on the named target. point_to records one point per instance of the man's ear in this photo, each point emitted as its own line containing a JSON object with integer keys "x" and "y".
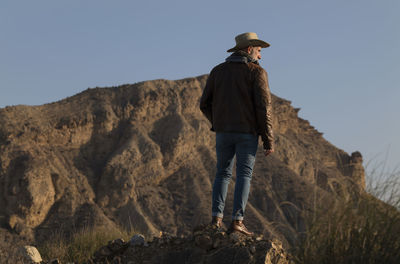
{"x": 249, "y": 49}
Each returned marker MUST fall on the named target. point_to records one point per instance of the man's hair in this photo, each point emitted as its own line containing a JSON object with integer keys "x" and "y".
{"x": 245, "y": 48}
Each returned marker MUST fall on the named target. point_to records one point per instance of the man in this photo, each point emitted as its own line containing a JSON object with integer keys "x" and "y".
{"x": 237, "y": 102}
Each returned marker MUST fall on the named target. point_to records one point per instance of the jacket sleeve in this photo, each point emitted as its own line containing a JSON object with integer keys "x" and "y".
{"x": 207, "y": 98}
{"x": 263, "y": 108}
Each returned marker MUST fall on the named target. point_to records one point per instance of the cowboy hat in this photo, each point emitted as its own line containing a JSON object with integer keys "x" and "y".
{"x": 248, "y": 39}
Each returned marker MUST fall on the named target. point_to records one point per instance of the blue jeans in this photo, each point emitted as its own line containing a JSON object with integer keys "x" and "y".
{"x": 244, "y": 146}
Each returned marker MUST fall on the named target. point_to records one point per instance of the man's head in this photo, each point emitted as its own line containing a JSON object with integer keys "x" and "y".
{"x": 254, "y": 52}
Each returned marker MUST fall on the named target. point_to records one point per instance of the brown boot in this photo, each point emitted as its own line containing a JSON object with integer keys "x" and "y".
{"x": 238, "y": 226}
{"x": 216, "y": 221}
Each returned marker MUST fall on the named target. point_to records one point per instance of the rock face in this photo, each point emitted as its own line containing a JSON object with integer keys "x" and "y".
{"x": 142, "y": 156}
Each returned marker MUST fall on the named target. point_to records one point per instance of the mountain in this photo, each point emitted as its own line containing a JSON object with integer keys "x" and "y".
{"x": 142, "y": 156}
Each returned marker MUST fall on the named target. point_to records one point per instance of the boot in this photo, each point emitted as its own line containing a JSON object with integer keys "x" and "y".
{"x": 216, "y": 221}
{"x": 238, "y": 226}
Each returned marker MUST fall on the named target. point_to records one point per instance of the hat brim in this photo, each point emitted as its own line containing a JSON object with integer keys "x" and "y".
{"x": 252, "y": 42}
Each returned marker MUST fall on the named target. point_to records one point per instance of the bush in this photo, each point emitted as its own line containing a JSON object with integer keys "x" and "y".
{"x": 80, "y": 246}
{"x": 362, "y": 228}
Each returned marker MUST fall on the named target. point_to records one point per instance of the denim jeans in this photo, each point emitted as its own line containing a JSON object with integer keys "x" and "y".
{"x": 244, "y": 146}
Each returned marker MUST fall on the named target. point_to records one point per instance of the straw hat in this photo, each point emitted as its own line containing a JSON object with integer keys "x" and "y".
{"x": 248, "y": 39}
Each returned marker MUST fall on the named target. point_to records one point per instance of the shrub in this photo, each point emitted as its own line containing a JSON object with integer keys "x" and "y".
{"x": 362, "y": 228}
{"x": 81, "y": 245}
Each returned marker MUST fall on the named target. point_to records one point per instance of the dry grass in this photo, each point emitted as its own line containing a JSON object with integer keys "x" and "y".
{"x": 80, "y": 247}
{"x": 355, "y": 230}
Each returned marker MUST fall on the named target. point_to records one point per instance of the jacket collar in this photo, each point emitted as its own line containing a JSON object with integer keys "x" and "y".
{"x": 240, "y": 56}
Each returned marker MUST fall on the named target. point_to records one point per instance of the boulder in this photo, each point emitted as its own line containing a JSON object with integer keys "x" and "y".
{"x": 30, "y": 254}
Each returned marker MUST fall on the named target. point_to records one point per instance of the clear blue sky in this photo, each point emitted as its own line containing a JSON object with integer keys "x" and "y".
{"x": 339, "y": 61}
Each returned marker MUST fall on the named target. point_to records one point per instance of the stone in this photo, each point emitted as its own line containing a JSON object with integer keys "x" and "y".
{"x": 235, "y": 237}
{"x": 137, "y": 240}
{"x": 30, "y": 254}
{"x": 276, "y": 254}
{"x": 204, "y": 241}
{"x": 102, "y": 252}
{"x": 116, "y": 244}
{"x": 252, "y": 249}
{"x": 259, "y": 238}
{"x": 216, "y": 243}
{"x": 116, "y": 260}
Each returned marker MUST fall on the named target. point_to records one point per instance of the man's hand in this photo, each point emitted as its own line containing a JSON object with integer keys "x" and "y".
{"x": 268, "y": 151}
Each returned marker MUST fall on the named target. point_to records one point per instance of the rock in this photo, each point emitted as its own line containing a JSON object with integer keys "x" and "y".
{"x": 252, "y": 249}
{"x": 235, "y": 237}
{"x": 276, "y": 254}
{"x": 111, "y": 251}
{"x": 357, "y": 172}
{"x": 103, "y": 252}
{"x": 208, "y": 246}
{"x": 216, "y": 243}
{"x": 30, "y": 254}
{"x": 137, "y": 240}
{"x": 116, "y": 260}
{"x": 116, "y": 245}
{"x": 204, "y": 241}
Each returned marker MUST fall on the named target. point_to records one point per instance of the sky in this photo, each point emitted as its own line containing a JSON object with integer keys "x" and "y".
{"x": 339, "y": 61}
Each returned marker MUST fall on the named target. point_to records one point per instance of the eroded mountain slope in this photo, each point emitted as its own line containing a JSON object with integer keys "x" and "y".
{"x": 143, "y": 156}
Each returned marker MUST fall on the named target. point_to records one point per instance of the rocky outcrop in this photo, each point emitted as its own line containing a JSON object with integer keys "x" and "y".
{"x": 142, "y": 156}
{"x": 206, "y": 245}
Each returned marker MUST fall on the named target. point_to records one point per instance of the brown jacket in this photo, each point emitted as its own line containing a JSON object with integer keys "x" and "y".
{"x": 237, "y": 98}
